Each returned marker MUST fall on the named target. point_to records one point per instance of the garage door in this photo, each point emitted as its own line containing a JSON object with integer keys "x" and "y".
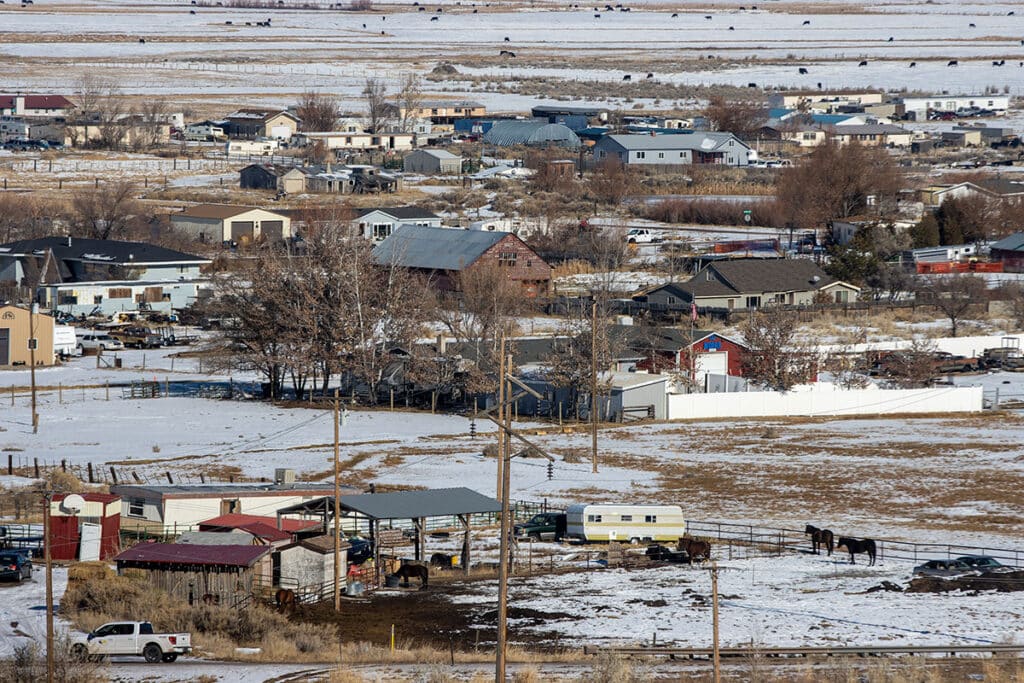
{"x": 241, "y": 231}
{"x": 5, "y": 347}
{"x": 712, "y": 363}
{"x": 272, "y": 230}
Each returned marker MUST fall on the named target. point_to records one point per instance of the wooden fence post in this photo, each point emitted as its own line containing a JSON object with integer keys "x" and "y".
{"x": 90, "y": 473}
{"x": 113, "y": 474}
{"x": 35, "y": 467}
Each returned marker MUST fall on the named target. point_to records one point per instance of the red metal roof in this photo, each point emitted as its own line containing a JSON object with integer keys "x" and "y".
{"x": 173, "y": 553}
{"x": 37, "y": 102}
{"x": 240, "y": 521}
{"x": 104, "y": 498}
{"x": 265, "y": 531}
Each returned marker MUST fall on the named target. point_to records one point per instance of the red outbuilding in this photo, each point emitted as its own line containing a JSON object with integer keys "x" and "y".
{"x": 85, "y": 526}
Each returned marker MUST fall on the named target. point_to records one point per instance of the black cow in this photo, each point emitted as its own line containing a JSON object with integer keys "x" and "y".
{"x": 802, "y": 71}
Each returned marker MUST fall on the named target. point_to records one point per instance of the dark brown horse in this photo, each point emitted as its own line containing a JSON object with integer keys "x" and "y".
{"x": 695, "y": 548}
{"x": 413, "y": 571}
{"x": 820, "y": 538}
{"x": 855, "y": 545}
{"x": 441, "y": 560}
{"x": 211, "y": 599}
{"x": 284, "y": 598}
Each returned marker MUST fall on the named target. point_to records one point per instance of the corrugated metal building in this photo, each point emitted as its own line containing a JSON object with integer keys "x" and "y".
{"x": 228, "y": 573}
{"x": 539, "y": 133}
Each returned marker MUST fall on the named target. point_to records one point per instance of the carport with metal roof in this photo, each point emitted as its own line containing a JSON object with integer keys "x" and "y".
{"x": 457, "y": 503}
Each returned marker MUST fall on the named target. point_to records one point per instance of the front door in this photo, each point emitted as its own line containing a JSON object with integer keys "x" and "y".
{"x": 5, "y": 347}
{"x": 89, "y": 550}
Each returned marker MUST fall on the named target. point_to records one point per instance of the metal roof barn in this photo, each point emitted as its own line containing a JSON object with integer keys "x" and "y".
{"x": 511, "y": 133}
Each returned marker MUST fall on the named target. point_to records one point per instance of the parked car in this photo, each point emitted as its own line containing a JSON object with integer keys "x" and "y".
{"x": 15, "y": 565}
{"x": 544, "y": 526}
{"x": 983, "y": 563}
{"x": 360, "y": 550}
{"x": 138, "y": 337}
{"x": 943, "y": 568}
{"x": 132, "y": 638}
{"x": 98, "y": 340}
{"x": 642, "y": 236}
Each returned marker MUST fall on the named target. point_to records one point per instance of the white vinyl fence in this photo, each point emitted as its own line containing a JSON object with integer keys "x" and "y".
{"x": 824, "y": 402}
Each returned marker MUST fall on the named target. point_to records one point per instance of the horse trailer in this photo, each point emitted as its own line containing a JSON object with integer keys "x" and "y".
{"x": 631, "y": 523}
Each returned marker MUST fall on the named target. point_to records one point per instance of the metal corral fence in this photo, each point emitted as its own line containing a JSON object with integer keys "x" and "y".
{"x": 783, "y": 540}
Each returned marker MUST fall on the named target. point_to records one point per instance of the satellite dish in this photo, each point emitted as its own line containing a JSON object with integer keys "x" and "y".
{"x": 72, "y": 503}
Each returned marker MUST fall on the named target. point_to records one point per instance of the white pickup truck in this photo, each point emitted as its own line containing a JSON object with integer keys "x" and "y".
{"x": 642, "y": 236}
{"x": 132, "y": 638}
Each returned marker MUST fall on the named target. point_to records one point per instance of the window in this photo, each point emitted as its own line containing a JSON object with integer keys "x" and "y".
{"x": 123, "y": 629}
{"x": 119, "y": 293}
{"x": 507, "y": 258}
{"x": 602, "y": 154}
{"x": 146, "y": 628}
{"x": 627, "y": 518}
{"x": 593, "y": 518}
{"x": 661, "y": 155}
{"x": 753, "y": 301}
{"x": 641, "y": 155}
{"x": 651, "y": 519}
{"x": 671, "y": 300}
{"x": 842, "y": 296}
{"x": 67, "y": 299}
{"x": 381, "y": 230}
{"x": 136, "y": 507}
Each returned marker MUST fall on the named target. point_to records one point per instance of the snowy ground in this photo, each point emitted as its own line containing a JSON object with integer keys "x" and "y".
{"x": 25, "y": 604}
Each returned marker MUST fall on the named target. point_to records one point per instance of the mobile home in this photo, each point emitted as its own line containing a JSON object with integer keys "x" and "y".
{"x": 623, "y": 522}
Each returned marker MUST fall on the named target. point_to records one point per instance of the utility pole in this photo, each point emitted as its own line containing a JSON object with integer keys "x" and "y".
{"x": 593, "y": 384}
{"x": 499, "y": 657}
{"x": 337, "y": 506}
{"x": 49, "y": 587}
{"x": 32, "y": 344}
{"x": 714, "y": 623}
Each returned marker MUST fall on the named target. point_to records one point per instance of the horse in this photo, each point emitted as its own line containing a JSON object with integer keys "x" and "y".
{"x": 211, "y": 599}
{"x": 694, "y": 548}
{"x": 284, "y": 598}
{"x": 854, "y": 546}
{"x": 410, "y": 571}
{"x": 441, "y": 560}
{"x": 819, "y": 538}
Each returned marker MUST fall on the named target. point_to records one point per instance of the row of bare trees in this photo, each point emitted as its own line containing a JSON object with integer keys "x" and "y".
{"x": 103, "y": 118}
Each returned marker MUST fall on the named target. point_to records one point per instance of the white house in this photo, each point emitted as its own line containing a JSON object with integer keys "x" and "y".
{"x": 357, "y": 140}
{"x": 917, "y": 108}
{"x": 675, "y": 149}
{"x": 377, "y": 224}
{"x": 172, "y": 509}
{"x": 223, "y": 223}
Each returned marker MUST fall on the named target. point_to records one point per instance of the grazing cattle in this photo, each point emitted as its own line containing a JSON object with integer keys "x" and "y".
{"x": 627, "y": 77}
{"x": 913, "y": 64}
{"x": 142, "y": 40}
{"x": 751, "y": 85}
{"x": 819, "y": 85}
{"x": 952, "y": 62}
{"x": 807, "y": 23}
{"x": 997, "y": 63}
{"x": 972, "y": 25}
{"x": 422, "y": 9}
{"x": 742, "y": 8}
{"x": 819, "y": 538}
{"x": 413, "y": 571}
{"x": 707, "y": 16}
{"x": 863, "y": 63}
{"x": 695, "y": 548}
{"x": 364, "y": 25}
{"x": 597, "y": 16}
{"x": 191, "y": 11}
{"x": 227, "y": 23}
{"x": 1010, "y": 13}
{"x": 853, "y": 546}
{"x": 284, "y": 598}
{"x": 802, "y": 71}
{"x": 890, "y": 39}
{"x": 474, "y": 11}
{"x": 433, "y": 18}
{"x": 675, "y": 15}
{"x": 507, "y": 40}
{"x": 731, "y": 28}
{"x": 650, "y": 75}
{"x": 506, "y": 53}
{"x": 439, "y": 10}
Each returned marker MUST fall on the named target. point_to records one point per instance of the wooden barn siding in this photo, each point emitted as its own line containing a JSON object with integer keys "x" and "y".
{"x": 227, "y": 582}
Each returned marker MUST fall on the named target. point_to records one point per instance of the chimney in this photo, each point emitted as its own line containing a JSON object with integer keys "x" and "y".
{"x": 19, "y": 105}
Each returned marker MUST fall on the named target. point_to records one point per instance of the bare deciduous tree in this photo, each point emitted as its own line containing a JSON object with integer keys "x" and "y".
{"x": 105, "y": 213}
{"x": 742, "y": 119}
{"x": 611, "y": 182}
{"x": 912, "y": 367}
{"x": 317, "y": 112}
{"x": 378, "y": 110}
{"x": 150, "y": 118}
{"x": 776, "y": 358}
{"x": 410, "y": 98}
{"x": 953, "y": 295}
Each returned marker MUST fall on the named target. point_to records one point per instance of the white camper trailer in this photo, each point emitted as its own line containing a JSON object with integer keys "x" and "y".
{"x": 626, "y": 523}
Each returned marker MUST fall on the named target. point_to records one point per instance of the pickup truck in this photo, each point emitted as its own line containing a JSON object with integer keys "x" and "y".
{"x": 543, "y": 526}
{"x": 138, "y": 337}
{"x": 1007, "y": 358}
{"x": 132, "y": 638}
{"x": 641, "y": 236}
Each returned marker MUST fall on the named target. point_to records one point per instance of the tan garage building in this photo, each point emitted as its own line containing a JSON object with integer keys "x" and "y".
{"x": 16, "y": 328}
{"x": 227, "y": 223}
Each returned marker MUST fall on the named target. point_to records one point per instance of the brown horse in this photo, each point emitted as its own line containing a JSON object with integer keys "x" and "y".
{"x": 211, "y": 599}
{"x": 819, "y": 538}
{"x": 413, "y": 571}
{"x": 695, "y": 548}
{"x": 284, "y": 598}
{"x": 856, "y": 545}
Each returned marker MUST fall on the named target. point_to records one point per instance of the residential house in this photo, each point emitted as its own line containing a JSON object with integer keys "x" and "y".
{"x": 872, "y": 135}
{"x": 627, "y": 396}
{"x": 1010, "y": 252}
{"x": 934, "y": 195}
{"x": 88, "y": 533}
{"x": 216, "y": 223}
{"x": 441, "y": 112}
{"x": 13, "y": 127}
{"x": 843, "y": 232}
{"x": 218, "y": 574}
{"x": 824, "y": 100}
{"x": 378, "y": 223}
{"x": 275, "y": 124}
{"x": 701, "y": 352}
{"x": 340, "y": 141}
{"x": 548, "y": 111}
{"x": 747, "y": 284}
{"x": 432, "y": 162}
{"x": 800, "y": 134}
{"x": 443, "y": 253}
{"x": 531, "y": 133}
{"x": 18, "y": 326}
{"x": 177, "y": 508}
{"x": 49, "y": 106}
{"x": 674, "y": 149}
{"x": 79, "y": 275}
{"x": 962, "y": 137}
{"x": 283, "y": 179}
{"x": 917, "y": 108}
{"x": 1003, "y": 188}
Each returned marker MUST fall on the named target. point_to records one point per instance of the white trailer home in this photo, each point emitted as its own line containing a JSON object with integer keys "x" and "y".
{"x": 623, "y": 522}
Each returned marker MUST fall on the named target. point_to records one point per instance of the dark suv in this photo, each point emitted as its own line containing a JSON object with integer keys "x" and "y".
{"x": 543, "y": 526}
{"x": 15, "y": 565}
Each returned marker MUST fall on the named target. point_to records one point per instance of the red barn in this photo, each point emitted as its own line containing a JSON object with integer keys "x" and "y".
{"x": 93, "y": 532}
